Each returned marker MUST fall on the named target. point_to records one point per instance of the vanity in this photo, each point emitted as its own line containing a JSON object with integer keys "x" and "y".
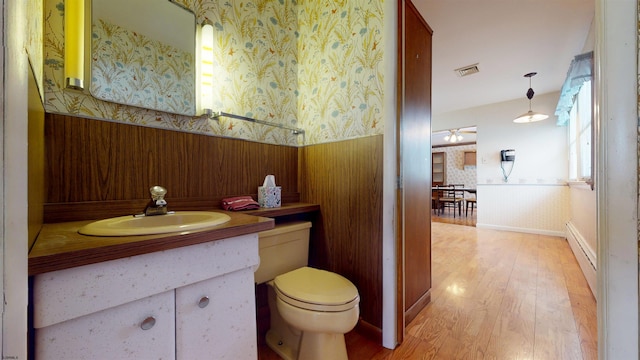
{"x": 183, "y": 295}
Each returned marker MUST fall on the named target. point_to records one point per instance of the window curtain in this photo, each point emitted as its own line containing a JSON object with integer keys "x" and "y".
{"x": 580, "y": 71}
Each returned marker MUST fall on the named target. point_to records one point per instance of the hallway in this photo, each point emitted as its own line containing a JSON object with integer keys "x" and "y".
{"x": 496, "y": 295}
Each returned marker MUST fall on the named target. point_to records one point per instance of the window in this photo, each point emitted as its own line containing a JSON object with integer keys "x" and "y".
{"x": 580, "y": 135}
{"x": 575, "y": 110}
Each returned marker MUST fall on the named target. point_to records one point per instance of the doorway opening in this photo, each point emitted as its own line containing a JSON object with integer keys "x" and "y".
{"x": 454, "y": 176}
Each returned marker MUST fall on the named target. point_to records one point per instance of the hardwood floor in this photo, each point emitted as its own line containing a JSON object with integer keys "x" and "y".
{"x": 496, "y": 295}
{"x": 447, "y": 217}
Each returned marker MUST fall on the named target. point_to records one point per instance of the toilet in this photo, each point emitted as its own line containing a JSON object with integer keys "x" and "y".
{"x": 311, "y": 309}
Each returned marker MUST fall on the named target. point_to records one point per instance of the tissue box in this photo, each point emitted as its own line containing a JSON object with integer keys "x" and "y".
{"x": 269, "y": 196}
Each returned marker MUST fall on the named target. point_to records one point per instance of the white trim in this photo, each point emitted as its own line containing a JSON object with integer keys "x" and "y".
{"x": 520, "y": 230}
{"x": 616, "y": 120}
{"x": 585, "y": 256}
{"x": 579, "y": 185}
{"x": 3, "y": 256}
{"x": 389, "y": 201}
{"x": 522, "y": 184}
{"x": 15, "y": 68}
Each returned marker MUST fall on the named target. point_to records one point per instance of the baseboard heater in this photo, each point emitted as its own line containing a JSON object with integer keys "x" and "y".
{"x": 585, "y": 255}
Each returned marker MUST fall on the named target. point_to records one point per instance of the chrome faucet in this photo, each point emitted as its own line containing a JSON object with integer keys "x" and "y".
{"x": 157, "y": 205}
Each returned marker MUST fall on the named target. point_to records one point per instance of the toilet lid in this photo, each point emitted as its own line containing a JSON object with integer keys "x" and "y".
{"x": 317, "y": 287}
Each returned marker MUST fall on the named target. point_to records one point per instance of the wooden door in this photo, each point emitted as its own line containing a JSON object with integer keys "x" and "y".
{"x": 415, "y": 163}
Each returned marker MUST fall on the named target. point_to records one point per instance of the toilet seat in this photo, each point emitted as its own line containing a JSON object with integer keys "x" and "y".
{"x": 316, "y": 290}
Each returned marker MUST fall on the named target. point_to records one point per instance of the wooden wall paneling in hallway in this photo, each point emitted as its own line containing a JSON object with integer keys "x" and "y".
{"x": 415, "y": 142}
{"x": 345, "y": 179}
{"x": 99, "y": 168}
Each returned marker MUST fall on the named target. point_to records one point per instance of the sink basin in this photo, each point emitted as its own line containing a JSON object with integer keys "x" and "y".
{"x": 177, "y": 221}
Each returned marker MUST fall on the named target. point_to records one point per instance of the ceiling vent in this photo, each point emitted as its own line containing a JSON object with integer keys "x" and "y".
{"x": 467, "y": 70}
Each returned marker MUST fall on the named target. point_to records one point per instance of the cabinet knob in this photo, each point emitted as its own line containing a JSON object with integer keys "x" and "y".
{"x": 148, "y": 323}
{"x": 204, "y": 301}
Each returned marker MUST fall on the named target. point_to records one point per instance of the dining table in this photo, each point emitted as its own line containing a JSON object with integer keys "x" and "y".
{"x": 436, "y": 199}
{"x": 447, "y": 188}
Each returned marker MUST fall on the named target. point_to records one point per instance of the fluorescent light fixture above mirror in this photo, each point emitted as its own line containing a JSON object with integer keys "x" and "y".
{"x": 74, "y": 44}
{"x": 206, "y": 69}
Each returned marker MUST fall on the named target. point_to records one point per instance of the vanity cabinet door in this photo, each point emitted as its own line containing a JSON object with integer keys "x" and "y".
{"x": 216, "y": 318}
{"x": 143, "y": 329}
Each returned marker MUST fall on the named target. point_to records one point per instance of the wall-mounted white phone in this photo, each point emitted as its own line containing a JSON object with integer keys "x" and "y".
{"x": 508, "y": 157}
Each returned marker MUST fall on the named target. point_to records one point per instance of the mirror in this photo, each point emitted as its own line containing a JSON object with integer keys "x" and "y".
{"x": 143, "y": 54}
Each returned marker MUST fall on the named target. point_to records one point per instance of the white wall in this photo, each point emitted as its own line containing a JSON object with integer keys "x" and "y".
{"x": 541, "y": 148}
{"x": 535, "y": 197}
{"x": 581, "y": 228}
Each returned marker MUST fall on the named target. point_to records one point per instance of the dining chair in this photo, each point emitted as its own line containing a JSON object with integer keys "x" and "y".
{"x": 452, "y": 198}
{"x": 471, "y": 201}
{"x": 436, "y": 205}
{"x": 459, "y": 194}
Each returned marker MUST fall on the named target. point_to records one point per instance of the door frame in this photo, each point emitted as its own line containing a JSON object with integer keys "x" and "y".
{"x": 14, "y": 213}
{"x": 616, "y": 182}
{"x": 616, "y": 56}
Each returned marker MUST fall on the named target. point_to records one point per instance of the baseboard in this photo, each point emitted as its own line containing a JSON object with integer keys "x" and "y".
{"x": 415, "y": 309}
{"x": 521, "y": 230}
{"x": 586, "y": 257}
{"x": 369, "y": 331}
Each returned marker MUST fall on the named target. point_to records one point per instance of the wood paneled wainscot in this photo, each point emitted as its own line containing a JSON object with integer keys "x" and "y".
{"x": 97, "y": 169}
{"x": 348, "y": 232}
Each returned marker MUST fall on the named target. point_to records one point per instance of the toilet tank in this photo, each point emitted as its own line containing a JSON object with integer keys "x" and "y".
{"x": 282, "y": 249}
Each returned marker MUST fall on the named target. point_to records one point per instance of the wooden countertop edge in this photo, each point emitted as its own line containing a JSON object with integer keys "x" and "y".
{"x": 53, "y": 261}
{"x": 59, "y": 246}
{"x": 284, "y": 210}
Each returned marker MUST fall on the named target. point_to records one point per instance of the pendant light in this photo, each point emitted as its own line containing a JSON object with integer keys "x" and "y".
{"x": 530, "y": 116}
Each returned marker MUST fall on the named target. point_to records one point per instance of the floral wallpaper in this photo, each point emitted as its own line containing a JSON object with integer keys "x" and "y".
{"x": 315, "y": 65}
{"x": 34, "y": 40}
{"x": 255, "y": 65}
{"x": 340, "y": 75}
{"x": 457, "y": 172}
{"x": 130, "y": 68}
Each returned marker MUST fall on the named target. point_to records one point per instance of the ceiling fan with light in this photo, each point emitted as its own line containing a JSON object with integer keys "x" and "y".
{"x": 455, "y": 135}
